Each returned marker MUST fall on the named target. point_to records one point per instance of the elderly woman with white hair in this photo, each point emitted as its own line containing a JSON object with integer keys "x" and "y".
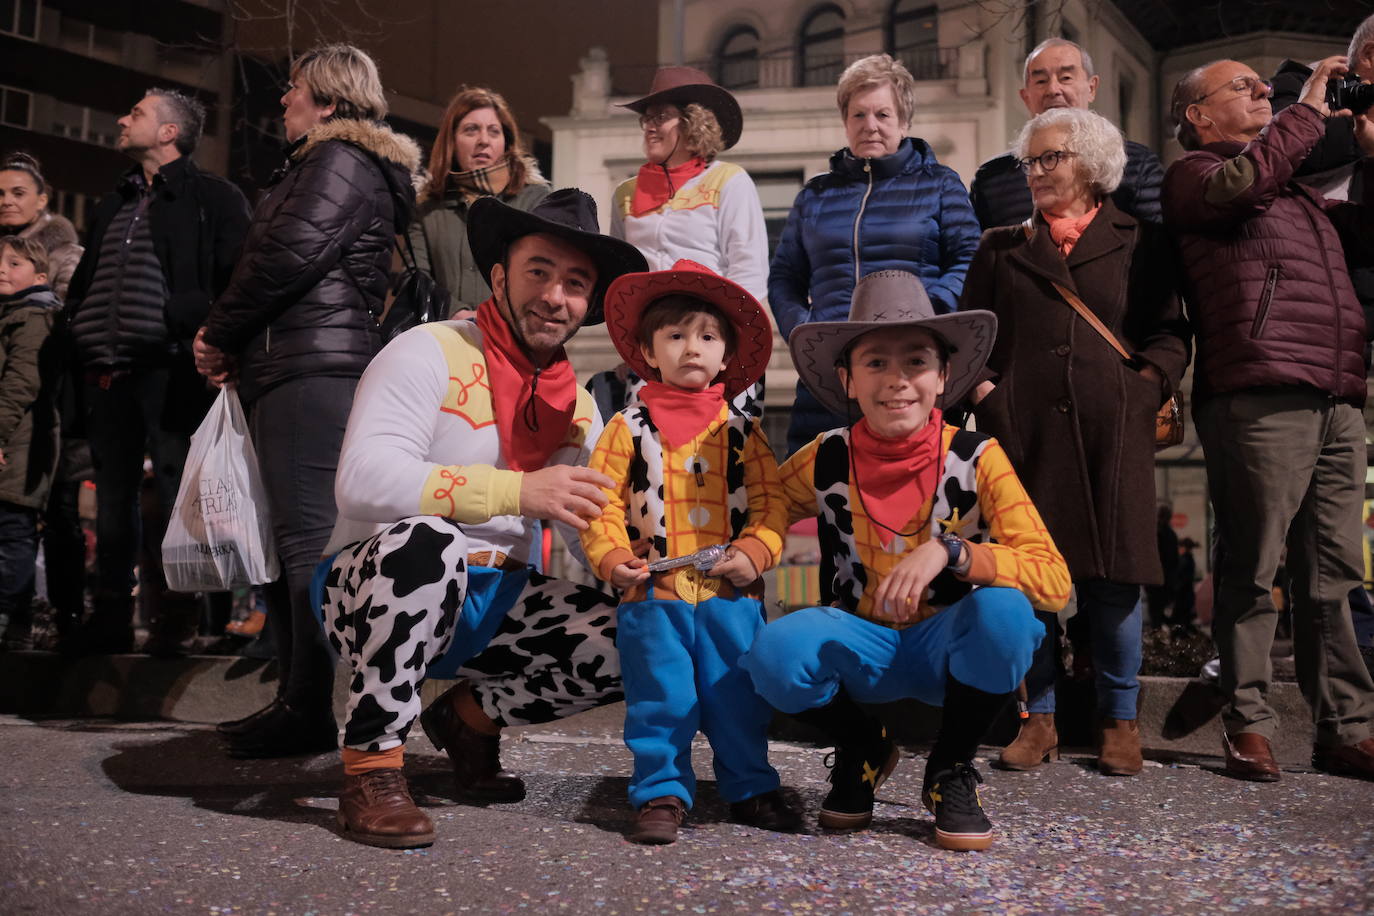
{"x": 886, "y": 204}
{"x": 1075, "y": 417}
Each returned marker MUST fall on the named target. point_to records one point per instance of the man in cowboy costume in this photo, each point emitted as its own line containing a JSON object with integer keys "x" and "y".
{"x": 932, "y": 555}
{"x": 463, "y": 433}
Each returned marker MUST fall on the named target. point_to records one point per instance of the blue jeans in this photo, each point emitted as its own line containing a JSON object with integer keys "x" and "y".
{"x": 1113, "y": 615}
{"x": 18, "y": 551}
{"x": 985, "y": 640}
{"x": 680, "y": 666}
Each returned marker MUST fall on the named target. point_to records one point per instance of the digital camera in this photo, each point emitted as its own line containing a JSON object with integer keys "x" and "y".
{"x": 1344, "y": 92}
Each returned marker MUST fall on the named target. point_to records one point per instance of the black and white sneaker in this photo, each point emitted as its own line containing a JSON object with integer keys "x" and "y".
{"x": 856, "y": 773}
{"x": 952, "y": 796}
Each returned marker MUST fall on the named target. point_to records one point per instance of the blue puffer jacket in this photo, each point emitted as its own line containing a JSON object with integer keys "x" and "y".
{"x": 901, "y": 212}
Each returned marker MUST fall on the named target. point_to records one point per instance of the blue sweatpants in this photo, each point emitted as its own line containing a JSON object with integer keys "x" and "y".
{"x": 680, "y": 668}
{"x": 985, "y": 640}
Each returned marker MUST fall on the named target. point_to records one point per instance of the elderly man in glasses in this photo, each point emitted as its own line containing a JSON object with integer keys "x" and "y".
{"x": 1060, "y": 74}
{"x": 1278, "y": 389}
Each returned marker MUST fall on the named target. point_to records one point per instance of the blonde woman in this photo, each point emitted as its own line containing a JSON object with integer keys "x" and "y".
{"x": 294, "y": 331}
{"x": 885, "y": 204}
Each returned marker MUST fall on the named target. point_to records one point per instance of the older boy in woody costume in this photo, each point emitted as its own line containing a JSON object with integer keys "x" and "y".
{"x": 932, "y": 556}
{"x": 693, "y": 473}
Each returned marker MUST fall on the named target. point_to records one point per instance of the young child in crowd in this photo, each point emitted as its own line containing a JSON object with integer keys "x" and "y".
{"x": 694, "y": 474}
{"x": 28, "y": 427}
{"x": 932, "y": 556}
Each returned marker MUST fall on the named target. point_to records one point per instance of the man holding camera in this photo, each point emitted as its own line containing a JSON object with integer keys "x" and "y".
{"x": 1330, "y": 167}
{"x": 1279, "y": 384}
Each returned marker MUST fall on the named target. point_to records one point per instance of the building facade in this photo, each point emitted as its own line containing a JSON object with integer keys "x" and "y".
{"x": 72, "y": 68}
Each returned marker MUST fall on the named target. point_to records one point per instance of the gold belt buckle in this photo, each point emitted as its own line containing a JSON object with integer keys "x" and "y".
{"x": 694, "y": 586}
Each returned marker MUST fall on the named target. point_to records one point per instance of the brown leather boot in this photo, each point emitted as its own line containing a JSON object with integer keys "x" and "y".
{"x": 476, "y": 757}
{"x": 375, "y": 808}
{"x": 657, "y": 822}
{"x": 1118, "y": 741}
{"x": 1037, "y": 742}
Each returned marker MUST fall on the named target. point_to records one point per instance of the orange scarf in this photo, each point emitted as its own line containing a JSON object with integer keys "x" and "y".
{"x": 655, "y": 185}
{"x": 895, "y": 477}
{"x": 1067, "y": 230}
{"x": 534, "y": 407}
{"x": 681, "y": 415}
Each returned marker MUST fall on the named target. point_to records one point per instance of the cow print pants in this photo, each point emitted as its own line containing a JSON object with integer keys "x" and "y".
{"x": 392, "y": 603}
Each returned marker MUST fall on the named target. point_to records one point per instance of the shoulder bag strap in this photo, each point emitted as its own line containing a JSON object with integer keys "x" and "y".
{"x": 1078, "y": 306}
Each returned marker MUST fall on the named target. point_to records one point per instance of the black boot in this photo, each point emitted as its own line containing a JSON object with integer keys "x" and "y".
{"x": 283, "y": 731}
{"x": 862, "y": 760}
{"x": 950, "y": 787}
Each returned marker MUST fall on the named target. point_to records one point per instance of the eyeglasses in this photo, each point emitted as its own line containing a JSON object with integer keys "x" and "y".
{"x": 663, "y": 117}
{"x": 1241, "y": 85}
{"x": 1049, "y": 161}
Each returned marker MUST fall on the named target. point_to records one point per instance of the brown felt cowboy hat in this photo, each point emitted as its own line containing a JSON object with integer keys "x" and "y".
{"x": 890, "y": 299}
{"x": 631, "y": 294}
{"x": 568, "y": 214}
{"x": 682, "y": 86}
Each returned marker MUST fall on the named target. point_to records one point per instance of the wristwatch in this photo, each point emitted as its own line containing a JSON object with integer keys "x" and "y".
{"x": 959, "y": 562}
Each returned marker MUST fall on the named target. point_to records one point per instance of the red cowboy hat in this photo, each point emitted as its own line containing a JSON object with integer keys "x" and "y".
{"x": 630, "y": 294}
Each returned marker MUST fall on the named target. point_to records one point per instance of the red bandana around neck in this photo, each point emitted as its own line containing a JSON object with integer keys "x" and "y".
{"x": 1066, "y": 231}
{"x": 655, "y": 186}
{"x": 679, "y": 414}
{"x": 895, "y": 477}
{"x": 534, "y": 408}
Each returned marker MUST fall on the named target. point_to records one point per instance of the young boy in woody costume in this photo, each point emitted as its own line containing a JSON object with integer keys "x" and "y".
{"x": 932, "y": 556}
{"x": 693, "y": 473}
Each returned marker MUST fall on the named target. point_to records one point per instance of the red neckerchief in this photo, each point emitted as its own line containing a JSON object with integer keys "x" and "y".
{"x": 655, "y": 186}
{"x": 679, "y": 414}
{"x": 1067, "y": 230}
{"x": 895, "y": 477}
{"x": 533, "y": 407}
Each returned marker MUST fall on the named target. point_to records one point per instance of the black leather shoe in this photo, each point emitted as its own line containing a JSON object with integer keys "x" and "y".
{"x": 476, "y": 757}
{"x": 780, "y": 810}
{"x": 246, "y": 723}
{"x": 285, "y": 732}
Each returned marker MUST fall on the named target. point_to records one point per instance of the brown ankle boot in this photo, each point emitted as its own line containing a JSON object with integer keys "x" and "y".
{"x": 1037, "y": 742}
{"x": 657, "y": 822}
{"x": 1119, "y": 743}
{"x": 375, "y": 808}
{"x": 476, "y": 757}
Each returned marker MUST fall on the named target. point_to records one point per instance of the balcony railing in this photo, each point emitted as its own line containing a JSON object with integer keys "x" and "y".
{"x": 781, "y": 71}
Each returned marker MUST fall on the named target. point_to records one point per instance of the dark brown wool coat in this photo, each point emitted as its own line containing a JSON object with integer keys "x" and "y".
{"x": 1076, "y": 421}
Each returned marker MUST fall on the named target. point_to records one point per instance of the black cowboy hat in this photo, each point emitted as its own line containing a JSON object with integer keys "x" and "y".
{"x": 681, "y": 86}
{"x": 568, "y": 214}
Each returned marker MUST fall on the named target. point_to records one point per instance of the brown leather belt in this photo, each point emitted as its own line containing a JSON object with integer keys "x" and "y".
{"x": 494, "y": 559}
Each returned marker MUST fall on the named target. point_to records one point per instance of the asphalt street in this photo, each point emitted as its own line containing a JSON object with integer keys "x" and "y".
{"x": 98, "y": 816}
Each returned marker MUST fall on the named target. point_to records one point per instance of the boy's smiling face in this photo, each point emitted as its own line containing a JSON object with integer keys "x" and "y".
{"x": 17, "y": 272}
{"x": 896, "y": 376}
{"x": 688, "y": 353}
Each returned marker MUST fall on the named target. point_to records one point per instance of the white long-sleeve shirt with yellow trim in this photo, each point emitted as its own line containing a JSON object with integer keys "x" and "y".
{"x": 422, "y": 440}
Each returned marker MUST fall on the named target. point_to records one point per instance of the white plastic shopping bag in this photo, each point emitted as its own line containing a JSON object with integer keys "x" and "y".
{"x": 220, "y": 536}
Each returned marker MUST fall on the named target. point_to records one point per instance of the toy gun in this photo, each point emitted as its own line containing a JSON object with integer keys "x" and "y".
{"x": 703, "y": 559}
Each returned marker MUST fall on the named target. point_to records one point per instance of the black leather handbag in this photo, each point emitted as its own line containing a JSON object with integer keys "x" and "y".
{"x": 415, "y": 296}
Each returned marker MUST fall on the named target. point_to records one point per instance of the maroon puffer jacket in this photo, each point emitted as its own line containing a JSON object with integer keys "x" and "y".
{"x": 1267, "y": 283}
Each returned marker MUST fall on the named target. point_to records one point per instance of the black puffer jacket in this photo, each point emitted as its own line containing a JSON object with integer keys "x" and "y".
{"x": 305, "y": 296}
